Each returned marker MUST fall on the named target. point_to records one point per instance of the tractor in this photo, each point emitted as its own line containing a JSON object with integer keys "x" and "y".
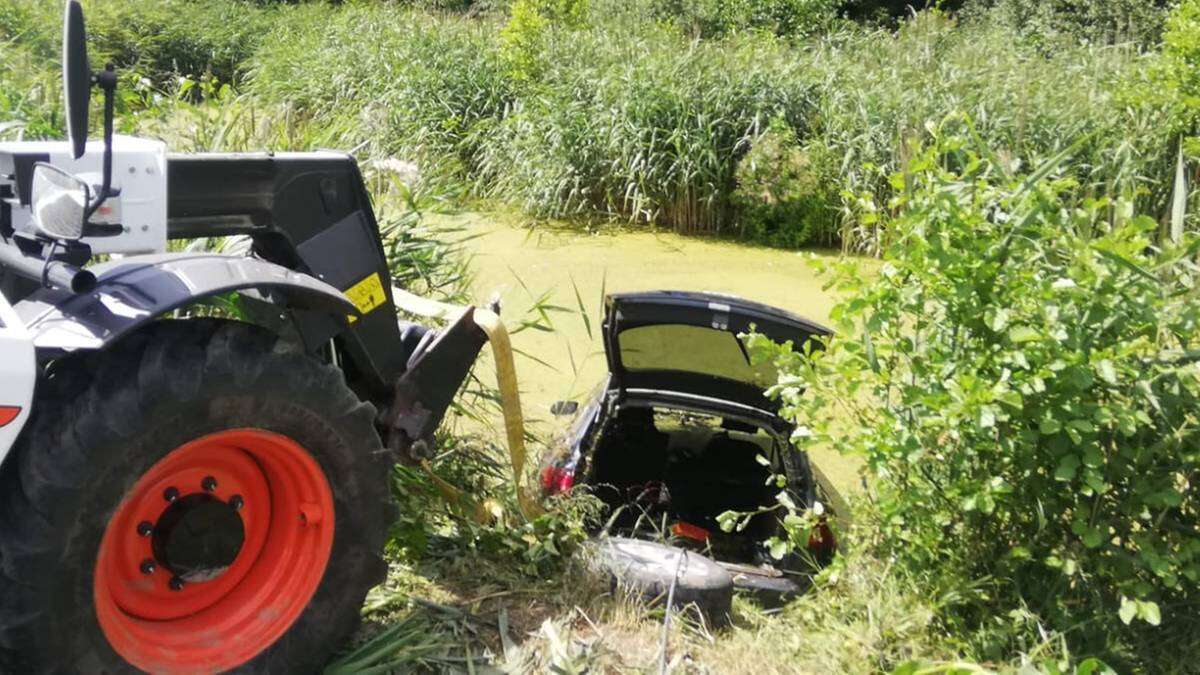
{"x": 185, "y": 488}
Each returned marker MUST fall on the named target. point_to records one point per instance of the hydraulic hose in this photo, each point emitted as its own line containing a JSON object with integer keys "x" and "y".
{"x": 506, "y": 381}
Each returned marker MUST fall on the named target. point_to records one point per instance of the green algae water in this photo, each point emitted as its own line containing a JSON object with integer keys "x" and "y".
{"x": 570, "y": 267}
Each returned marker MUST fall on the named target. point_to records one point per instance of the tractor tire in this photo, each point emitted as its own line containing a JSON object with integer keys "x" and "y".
{"x": 201, "y": 497}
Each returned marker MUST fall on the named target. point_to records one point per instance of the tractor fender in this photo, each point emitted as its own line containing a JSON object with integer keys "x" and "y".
{"x": 131, "y": 292}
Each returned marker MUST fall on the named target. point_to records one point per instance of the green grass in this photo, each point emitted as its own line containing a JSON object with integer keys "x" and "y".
{"x": 862, "y": 616}
{"x": 881, "y": 91}
{"x": 624, "y": 118}
{"x": 411, "y": 85}
{"x": 155, "y": 39}
{"x": 30, "y": 104}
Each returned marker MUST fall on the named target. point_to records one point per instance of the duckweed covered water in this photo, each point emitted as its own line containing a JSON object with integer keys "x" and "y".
{"x": 523, "y": 264}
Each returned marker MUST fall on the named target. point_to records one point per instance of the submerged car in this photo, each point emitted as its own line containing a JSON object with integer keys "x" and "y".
{"x": 681, "y": 431}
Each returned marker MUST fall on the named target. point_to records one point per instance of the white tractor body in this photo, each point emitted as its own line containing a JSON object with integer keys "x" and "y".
{"x": 139, "y": 173}
{"x": 18, "y": 371}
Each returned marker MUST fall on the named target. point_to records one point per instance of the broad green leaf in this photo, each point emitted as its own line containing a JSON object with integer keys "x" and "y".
{"x": 779, "y": 548}
{"x": 1021, "y": 334}
{"x": 999, "y": 320}
{"x": 1128, "y": 611}
{"x": 987, "y": 417}
{"x": 1067, "y": 468}
{"x": 1148, "y": 611}
{"x": 1082, "y": 425}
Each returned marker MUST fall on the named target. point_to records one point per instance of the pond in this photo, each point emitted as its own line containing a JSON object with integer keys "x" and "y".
{"x": 523, "y": 263}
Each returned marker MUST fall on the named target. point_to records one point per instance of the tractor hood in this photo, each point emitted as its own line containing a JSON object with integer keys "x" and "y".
{"x": 686, "y": 342}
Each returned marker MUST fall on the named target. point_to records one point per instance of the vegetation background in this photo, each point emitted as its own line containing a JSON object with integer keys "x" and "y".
{"x": 1020, "y": 378}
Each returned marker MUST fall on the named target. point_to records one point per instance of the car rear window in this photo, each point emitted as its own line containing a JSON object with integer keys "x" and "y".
{"x": 693, "y": 349}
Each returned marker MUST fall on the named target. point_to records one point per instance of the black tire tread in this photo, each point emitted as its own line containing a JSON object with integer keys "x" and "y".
{"x": 107, "y": 399}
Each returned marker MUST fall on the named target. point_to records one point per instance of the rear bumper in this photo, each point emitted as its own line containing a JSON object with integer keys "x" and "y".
{"x": 18, "y": 372}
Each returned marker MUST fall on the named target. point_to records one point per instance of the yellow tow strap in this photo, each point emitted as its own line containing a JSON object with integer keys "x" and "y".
{"x": 506, "y": 380}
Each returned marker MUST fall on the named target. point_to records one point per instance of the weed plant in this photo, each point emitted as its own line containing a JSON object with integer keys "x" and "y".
{"x": 606, "y": 111}
{"x": 1022, "y": 384}
{"x": 624, "y": 117}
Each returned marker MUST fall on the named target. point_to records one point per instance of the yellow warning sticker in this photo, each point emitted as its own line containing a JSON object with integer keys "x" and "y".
{"x": 367, "y": 294}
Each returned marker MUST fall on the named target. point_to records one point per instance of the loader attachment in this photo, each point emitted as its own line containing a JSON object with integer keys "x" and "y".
{"x": 455, "y": 352}
{"x": 425, "y": 391}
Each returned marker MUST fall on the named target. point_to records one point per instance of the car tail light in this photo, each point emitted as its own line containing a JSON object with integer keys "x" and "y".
{"x": 557, "y": 480}
{"x": 8, "y": 413}
{"x": 690, "y": 531}
{"x": 821, "y": 540}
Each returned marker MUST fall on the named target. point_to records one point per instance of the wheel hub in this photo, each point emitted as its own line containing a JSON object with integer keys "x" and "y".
{"x": 214, "y": 552}
{"x": 198, "y": 537}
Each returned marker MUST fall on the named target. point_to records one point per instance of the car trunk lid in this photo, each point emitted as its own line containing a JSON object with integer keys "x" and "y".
{"x": 687, "y": 342}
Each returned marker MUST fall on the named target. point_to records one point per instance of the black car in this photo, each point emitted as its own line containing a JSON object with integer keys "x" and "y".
{"x": 680, "y": 430}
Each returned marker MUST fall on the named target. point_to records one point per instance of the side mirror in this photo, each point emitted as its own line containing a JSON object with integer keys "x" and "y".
{"x": 559, "y": 408}
{"x": 60, "y": 202}
{"x": 77, "y": 77}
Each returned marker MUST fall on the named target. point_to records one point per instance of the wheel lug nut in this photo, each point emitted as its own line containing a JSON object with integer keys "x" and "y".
{"x": 175, "y": 584}
{"x": 209, "y": 483}
{"x": 171, "y": 494}
{"x": 147, "y": 566}
{"x": 145, "y": 528}
{"x": 236, "y": 502}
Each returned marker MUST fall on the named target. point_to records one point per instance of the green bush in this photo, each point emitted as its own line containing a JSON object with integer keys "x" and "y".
{"x": 885, "y": 12}
{"x": 1022, "y": 380}
{"x": 470, "y": 6}
{"x": 596, "y": 109}
{"x": 641, "y": 128}
{"x": 879, "y": 91}
{"x": 30, "y": 95}
{"x": 157, "y": 39}
{"x": 1177, "y": 75}
{"x": 416, "y": 86}
{"x": 33, "y": 25}
{"x": 710, "y": 18}
{"x": 780, "y": 198}
{"x": 1104, "y": 21}
{"x": 523, "y": 39}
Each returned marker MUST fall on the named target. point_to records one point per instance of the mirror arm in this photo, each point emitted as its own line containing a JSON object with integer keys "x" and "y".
{"x": 106, "y": 80}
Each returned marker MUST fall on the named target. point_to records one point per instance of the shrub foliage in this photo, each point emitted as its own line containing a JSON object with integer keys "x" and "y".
{"x": 708, "y": 18}
{"x": 785, "y": 193}
{"x": 1178, "y": 70}
{"x": 1023, "y": 382}
{"x": 1104, "y": 21}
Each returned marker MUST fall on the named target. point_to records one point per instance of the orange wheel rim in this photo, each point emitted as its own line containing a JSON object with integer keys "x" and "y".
{"x": 214, "y": 553}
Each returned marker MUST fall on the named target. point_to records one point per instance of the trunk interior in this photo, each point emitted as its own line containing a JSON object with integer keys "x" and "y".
{"x": 655, "y": 469}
